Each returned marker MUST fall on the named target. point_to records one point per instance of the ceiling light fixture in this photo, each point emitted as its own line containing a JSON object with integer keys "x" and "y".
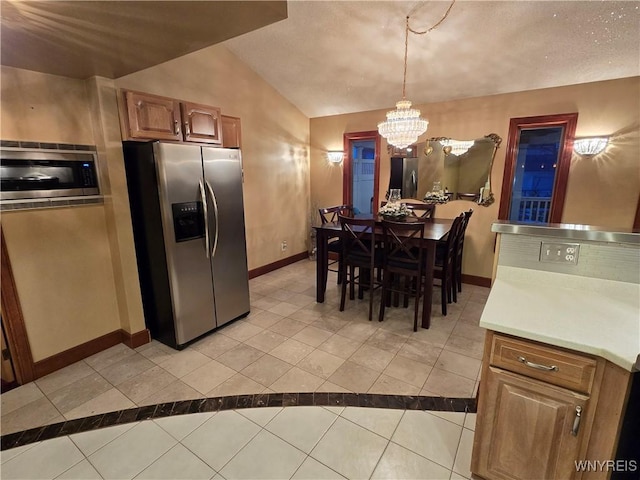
{"x": 404, "y": 125}
{"x": 588, "y": 147}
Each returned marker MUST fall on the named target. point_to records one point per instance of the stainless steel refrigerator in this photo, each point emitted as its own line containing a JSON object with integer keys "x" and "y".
{"x": 188, "y": 224}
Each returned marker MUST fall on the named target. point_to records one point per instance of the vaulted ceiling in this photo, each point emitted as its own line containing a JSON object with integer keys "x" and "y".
{"x": 332, "y": 57}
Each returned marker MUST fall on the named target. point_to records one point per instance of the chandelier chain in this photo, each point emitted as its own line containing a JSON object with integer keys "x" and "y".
{"x": 406, "y": 42}
{"x": 434, "y": 26}
{"x": 404, "y": 125}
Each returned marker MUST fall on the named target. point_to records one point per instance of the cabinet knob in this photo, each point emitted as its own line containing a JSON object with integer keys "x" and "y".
{"x": 187, "y": 130}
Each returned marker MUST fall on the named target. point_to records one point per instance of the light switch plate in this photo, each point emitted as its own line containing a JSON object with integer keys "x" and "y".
{"x": 554, "y": 252}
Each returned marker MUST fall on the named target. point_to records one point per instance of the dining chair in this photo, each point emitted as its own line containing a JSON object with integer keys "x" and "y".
{"x": 359, "y": 251}
{"x": 457, "y": 261}
{"x": 402, "y": 261}
{"x": 443, "y": 268}
{"x": 330, "y": 214}
{"x": 422, "y": 210}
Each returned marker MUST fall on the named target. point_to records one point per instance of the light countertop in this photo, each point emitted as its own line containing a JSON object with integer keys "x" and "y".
{"x": 590, "y": 315}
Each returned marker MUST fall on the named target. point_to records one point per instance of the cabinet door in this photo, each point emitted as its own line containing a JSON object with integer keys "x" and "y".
{"x": 231, "y": 135}
{"x": 152, "y": 117}
{"x": 525, "y": 429}
{"x": 201, "y": 123}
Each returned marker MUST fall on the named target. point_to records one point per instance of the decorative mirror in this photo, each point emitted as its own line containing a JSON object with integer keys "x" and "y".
{"x": 443, "y": 169}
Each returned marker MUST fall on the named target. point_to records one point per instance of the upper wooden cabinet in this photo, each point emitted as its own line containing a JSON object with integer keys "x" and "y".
{"x": 231, "y": 135}
{"x": 201, "y": 123}
{"x": 152, "y": 117}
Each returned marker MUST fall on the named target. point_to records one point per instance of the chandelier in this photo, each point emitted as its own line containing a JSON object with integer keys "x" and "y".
{"x": 404, "y": 125}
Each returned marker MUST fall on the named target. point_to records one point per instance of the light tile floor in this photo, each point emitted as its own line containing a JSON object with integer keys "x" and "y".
{"x": 288, "y": 343}
{"x": 274, "y": 443}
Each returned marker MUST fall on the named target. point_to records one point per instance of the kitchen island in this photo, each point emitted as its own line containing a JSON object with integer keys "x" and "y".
{"x": 561, "y": 352}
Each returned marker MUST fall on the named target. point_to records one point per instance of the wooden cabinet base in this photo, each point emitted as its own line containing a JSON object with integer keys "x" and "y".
{"x": 530, "y": 429}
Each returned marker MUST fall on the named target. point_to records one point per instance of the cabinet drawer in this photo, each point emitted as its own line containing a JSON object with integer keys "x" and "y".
{"x": 546, "y": 363}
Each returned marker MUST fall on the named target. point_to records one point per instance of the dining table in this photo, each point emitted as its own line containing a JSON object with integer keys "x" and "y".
{"x": 435, "y": 229}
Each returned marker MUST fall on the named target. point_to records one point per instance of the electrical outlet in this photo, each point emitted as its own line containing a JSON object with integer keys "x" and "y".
{"x": 559, "y": 252}
{"x": 283, "y": 245}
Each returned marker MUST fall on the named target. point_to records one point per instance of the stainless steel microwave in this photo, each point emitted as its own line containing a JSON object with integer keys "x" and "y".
{"x": 40, "y": 173}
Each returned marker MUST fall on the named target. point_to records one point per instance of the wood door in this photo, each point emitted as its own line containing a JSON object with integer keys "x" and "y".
{"x": 152, "y": 117}
{"x": 525, "y": 430}
{"x": 201, "y": 123}
{"x": 231, "y": 134}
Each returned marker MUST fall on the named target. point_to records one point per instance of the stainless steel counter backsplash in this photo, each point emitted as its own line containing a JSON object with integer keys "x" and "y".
{"x": 609, "y": 261}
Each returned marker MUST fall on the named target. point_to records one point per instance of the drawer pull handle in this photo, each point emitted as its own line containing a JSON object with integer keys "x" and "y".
{"x": 546, "y": 368}
{"x": 576, "y": 421}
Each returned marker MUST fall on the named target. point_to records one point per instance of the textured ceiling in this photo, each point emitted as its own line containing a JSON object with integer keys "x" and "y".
{"x": 80, "y": 39}
{"x": 332, "y": 57}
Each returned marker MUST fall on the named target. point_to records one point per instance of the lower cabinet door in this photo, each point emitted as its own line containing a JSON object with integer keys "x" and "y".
{"x": 528, "y": 429}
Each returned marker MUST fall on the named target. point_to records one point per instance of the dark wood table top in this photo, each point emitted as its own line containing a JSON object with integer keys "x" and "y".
{"x": 435, "y": 228}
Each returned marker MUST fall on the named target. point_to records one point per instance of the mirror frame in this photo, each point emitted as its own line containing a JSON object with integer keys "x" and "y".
{"x": 489, "y": 198}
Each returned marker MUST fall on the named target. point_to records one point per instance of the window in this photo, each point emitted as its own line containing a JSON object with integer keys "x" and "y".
{"x": 537, "y": 168}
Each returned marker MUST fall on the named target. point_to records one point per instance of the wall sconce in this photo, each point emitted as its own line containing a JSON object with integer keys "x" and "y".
{"x": 457, "y": 147}
{"x": 588, "y": 147}
{"x": 335, "y": 156}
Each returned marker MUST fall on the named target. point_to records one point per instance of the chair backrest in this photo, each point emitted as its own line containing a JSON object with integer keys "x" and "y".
{"x": 400, "y": 242}
{"x": 358, "y": 239}
{"x": 452, "y": 241}
{"x": 330, "y": 214}
{"x": 422, "y": 210}
{"x": 463, "y": 229}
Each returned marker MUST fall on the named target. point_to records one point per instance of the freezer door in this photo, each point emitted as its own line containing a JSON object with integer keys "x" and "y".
{"x": 181, "y": 191}
{"x": 223, "y": 178}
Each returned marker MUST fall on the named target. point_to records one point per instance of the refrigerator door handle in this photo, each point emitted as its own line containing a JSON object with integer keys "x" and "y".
{"x": 215, "y": 209}
{"x": 206, "y": 216}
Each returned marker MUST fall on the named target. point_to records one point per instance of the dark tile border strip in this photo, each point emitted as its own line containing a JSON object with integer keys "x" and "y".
{"x": 215, "y": 404}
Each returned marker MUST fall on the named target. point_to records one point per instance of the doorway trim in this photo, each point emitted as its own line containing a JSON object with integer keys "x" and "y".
{"x": 13, "y": 321}
{"x": 566, "y": 120}
{"x": 347, "y": 166}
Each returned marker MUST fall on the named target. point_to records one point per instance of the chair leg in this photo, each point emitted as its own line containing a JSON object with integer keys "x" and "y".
{"x": 384, "y": 295}
{"x": 352, "y": 273}
{"x": 444, "y": 294}
{"x": 454, "y": 287}
{"x": 370, "y": 277}
{"x": 417, "y": 305}
{"x": 343, "y": 287}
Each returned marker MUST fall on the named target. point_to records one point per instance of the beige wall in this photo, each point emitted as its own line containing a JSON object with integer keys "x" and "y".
{"x": 275, "y": 139}
{"x": 61, "y": 262}
{"x": 43, "y": 108}
{"x": 601, "y": 191}
{"x": 97, "y": 241}
{"x": 61, "y": 257}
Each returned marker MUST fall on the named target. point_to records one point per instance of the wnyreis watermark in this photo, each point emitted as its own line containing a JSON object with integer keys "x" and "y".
{"x": 606, "y": 465}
